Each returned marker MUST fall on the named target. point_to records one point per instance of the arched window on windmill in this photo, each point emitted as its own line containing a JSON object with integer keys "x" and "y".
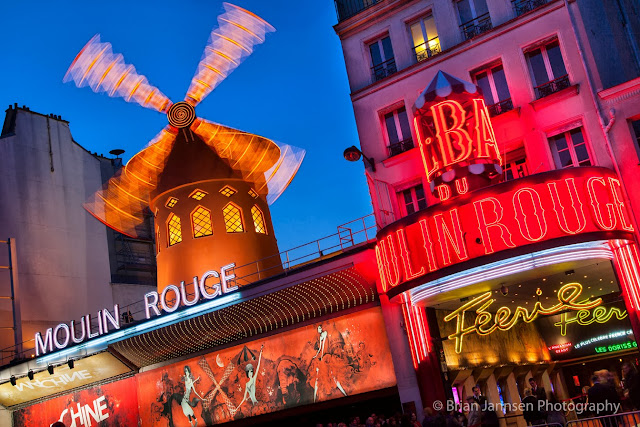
{"x": 174, "y": 229}
{"x": 232, "y": 215}
{"x": 201, "y": 222}
{"x": 258, "y": 220}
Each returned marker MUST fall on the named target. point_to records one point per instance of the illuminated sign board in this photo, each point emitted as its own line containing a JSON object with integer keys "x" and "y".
{"x": 628, "y": 345}
{"x": 486, "y": 322}
{"x": 172, "y": 297}
{"x": 86, "y": 371}
{"x": 108, "y": 405}
{"x": 526, "y": 211}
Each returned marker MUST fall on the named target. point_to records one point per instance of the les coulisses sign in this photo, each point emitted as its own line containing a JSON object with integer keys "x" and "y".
{"x": 538, "y": 208}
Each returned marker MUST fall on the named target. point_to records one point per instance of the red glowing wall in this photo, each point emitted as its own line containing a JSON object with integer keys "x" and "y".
{"x": 109, "y": 405}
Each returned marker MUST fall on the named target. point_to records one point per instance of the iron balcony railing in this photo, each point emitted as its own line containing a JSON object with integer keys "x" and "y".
{"x": 476, "y": 26}
{"x": 345, "y": 9}
{"x": 383, "y": 69}
{"x": 523, "y": 6}
{"x": 553, "y": 86}
{"x": 500, "y": 107}
{"x": 400, "y": 147}
{"x": 427, "y": 49}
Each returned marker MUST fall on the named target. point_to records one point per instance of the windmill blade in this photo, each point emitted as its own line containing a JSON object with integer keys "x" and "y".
{"x": 238, "y": 32}
{"x": 260, "y": 160}
{"x": 121, "y": 202}
{"x": 102, "y": 70}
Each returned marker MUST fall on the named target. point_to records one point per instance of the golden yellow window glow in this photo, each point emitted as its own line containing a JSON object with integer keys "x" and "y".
{"x": 198, "y": 194}
{"x": 232, "y": 218}
{"x": 201, "y": 221}
{"x": 258, "y": 220}
{"x": 228, "y": 191}
{"x": 174, "y": 229}
{"x": 171, "y": 202}
{"x": 253, "y": 194}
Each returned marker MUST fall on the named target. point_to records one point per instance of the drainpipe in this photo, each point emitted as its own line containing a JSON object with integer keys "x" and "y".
{"x": 605, "y": 128}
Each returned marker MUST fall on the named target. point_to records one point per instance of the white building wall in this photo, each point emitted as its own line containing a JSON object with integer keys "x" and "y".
{"x": 63, "y": 257}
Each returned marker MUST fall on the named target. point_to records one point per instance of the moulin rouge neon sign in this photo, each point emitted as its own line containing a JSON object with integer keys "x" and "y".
{"x": 487, "y": 322}
{"x": 529, "y": 210}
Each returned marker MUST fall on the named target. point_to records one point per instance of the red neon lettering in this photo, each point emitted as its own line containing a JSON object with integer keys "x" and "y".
{"x": 444, "y": 236}
{"x": 428, "y": 245}
{"x": 615, "y": 185}
{"x": 484, "y": 225}
{"x": 595, "y": 204}
{"x": 454, "y": 138}
{"x": 387, "y": 261}
{"x": 444, "y": 192}
{"x": 429, "y": 158}
{"x": 485, "y": 137}
{"x": 406, "y": 257}
{"x": 576, "y": 206}
{"x": 462, "y": 185}
{"x": 535, "y": 209}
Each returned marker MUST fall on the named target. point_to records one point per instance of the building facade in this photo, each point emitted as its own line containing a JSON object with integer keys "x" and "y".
{"x": 560, "y": 80}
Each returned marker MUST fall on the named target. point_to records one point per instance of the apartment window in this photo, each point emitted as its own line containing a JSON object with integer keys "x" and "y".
{"x": 383, "y": 63}
{"x": 425, "y": 38}
{"x": 174, "y": 229}
{"x": 570, "y": 149}
{"x": 232, "y": 218}
{"x": 258, "y": 220}
{"x": 398, "y": 131}
{"x": 201, "y": 222}
{"x": 515, "y": 169}
{"x": 494, "y": 87}
{"x": 635, "y": 125}
{"x": 547, "y": 69}
{"x": 413, "y": 199}
{"x": 474, "y": 17}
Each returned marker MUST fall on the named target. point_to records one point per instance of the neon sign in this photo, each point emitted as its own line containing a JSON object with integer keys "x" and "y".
{"x": 617, "y": 347}
{"x": 529, "y": 210}
{"x": 585, "y": 317}
{"x": 561, "y": 348}
{"x": 604, "y": 337}
{"x": 503, "y": 319}
{"x": 171, "y": 298}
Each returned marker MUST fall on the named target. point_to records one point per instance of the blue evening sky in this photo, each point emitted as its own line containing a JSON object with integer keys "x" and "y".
{"x": 292, "y": 89}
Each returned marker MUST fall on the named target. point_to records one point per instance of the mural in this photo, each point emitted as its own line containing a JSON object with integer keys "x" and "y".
{"x": 109, "y": 405}
{"x": 327, "y": 360}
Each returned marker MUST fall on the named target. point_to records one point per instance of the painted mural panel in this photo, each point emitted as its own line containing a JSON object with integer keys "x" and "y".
{"x": 339, "y": 357}
{"x": 109, "y": 405}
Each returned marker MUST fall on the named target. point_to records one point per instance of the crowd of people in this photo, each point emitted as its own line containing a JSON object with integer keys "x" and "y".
{"x": 399, "y": 420}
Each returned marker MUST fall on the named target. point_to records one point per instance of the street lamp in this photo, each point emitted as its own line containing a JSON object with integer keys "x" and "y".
{"x": 353, "y": 154}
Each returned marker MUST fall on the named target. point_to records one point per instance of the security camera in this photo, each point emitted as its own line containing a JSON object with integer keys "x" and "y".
{"x": 504, "y": 290}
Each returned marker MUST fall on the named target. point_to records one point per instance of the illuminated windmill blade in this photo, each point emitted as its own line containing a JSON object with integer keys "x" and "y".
{"x": 122, "y": 200}
{"x": 260, "y": 160}
{"x": 102, "y": 70}
{"x": 238, "y": 32}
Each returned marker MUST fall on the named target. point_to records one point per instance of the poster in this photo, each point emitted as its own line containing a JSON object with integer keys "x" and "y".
{"x": 109, "y": 405}
{"x": 326, "y": 360}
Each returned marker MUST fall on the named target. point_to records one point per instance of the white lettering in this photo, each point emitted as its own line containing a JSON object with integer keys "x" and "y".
{"x": 73, "y": 332}
{"x": 215, "y": 286}
{"x": 47, "y": 345}
{"x": 163, "y": 299}
{"x": 101, "y": 407}
{"x": 114, "y": 320}
{"x": 65, "y": 341}
{"x": 226, "y": 278}
{"x": 196, "y": 293}
{"x": 151, "y": 302}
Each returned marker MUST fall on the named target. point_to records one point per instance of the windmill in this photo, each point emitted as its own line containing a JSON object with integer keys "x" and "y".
{"x": 208, "y": 186}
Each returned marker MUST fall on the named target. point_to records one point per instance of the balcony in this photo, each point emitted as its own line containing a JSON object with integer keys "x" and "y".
{"x": 384, "y": 69}
{"x": 523, "y": 6}
{"x": 552, "y": 87}
{"x": 345, "y": 9}
{"x": 476, "y": 26}
{"x": 400, "y": 147}
{"x": 427, "y": 49}
{"x": 500, "y": 107}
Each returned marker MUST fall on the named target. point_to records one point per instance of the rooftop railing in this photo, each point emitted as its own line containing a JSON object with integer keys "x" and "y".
{"x": 353, "y": 233}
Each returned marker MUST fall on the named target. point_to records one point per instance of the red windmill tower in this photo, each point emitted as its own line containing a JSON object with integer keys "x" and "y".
{"x": 208, "y": 186}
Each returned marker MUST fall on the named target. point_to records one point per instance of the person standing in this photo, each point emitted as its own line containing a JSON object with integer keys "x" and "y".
{"x": 631, "y": 385}
{"x": 531, "y": 413}
{"x": 474, "y": 417}
{"x": 538, "y": 392}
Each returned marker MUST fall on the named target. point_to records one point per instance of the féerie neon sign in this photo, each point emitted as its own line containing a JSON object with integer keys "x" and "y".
{"x": 503, "y": 319}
